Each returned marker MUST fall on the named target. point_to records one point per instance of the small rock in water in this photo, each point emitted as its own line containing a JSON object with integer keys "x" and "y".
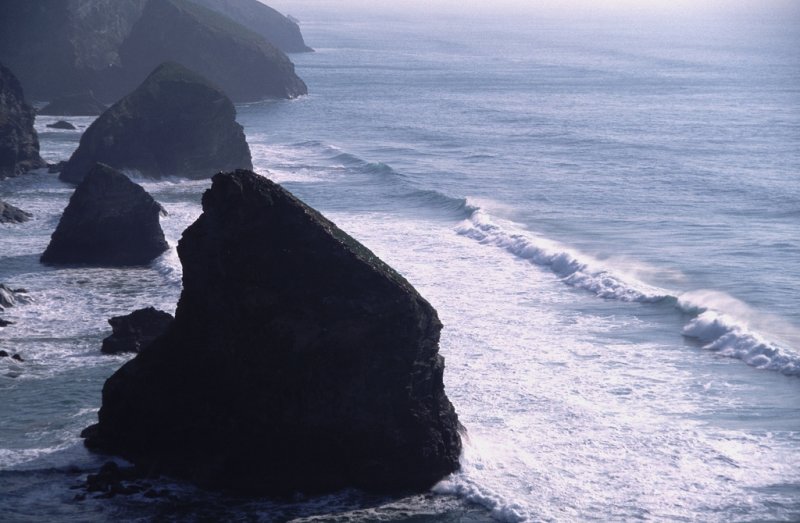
{"x": 11, "y": 214}
{"x": 61, "y": 124}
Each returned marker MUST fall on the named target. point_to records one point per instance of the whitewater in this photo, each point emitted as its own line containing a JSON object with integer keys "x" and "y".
{"x": 605, "y": 215}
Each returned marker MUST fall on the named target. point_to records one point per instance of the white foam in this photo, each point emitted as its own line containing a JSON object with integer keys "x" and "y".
{"x": 574, "y": 268}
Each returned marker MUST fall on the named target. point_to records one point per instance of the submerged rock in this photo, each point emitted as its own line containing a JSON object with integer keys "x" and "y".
{"x": 175, "y": 123}
{"x": 81, "y": 104}
{"x": 61, "y": 124}
{"x": 109, "y": 221}
{"x": 231, "y": 56}
{"x": 281, "y": 31}
{"x": 297, "y": 361}
{"x": 10, "y": 297}
{"x": 19, "y": 144}
{"x": 11, "y": 214}
{"x": 136, "y": 330}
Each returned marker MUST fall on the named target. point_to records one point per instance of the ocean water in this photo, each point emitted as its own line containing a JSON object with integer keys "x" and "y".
{"x": 605, "y": 213}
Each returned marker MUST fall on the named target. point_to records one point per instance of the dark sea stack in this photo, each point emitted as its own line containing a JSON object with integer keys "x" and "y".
{"x": 280, "y": 31}
{"x": 61, "y": 124}
{"x": 239, "y": 61}
{"x": 175, "y": 124}
{"x": 109, "y": 221}
{"x": 19, "y": 144}
{"x": 297, "y": 361}
{"x": 11, "y": 214}
{"x": 135, "y": 330}
{"x": 81, "y": 104}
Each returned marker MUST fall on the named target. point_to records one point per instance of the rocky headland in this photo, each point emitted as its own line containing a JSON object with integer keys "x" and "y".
{"x": 19, "y": 144}
{"x": 175, "y": 124}
{"x": 297, "y": 361}
{"x": 109, "y": 221}
{"x": 280, "y": 31}
{"x": 59, "y": 47}
{"x": 244, "y": 65}
{"x": 81, "y": 104}
{"x": 132, "y": 332}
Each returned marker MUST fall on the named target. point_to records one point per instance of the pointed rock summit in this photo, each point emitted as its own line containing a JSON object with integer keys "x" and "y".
{"x": 297, "y": 361}
{"x": 175, "y": 124}
{"x": 110, "y": 221}
{"x": 19, "y": 144}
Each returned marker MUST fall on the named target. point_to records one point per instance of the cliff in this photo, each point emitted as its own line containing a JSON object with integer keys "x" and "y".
{"x": 175, "y": 124}
{"x": 19, "y": 144}
{"x": 239, "y": 61}
{"x": 297, "y": 361}
{"x": 278, "y": 30}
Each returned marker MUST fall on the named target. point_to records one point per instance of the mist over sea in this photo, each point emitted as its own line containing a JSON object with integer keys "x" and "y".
{"x": 605, "y": 211}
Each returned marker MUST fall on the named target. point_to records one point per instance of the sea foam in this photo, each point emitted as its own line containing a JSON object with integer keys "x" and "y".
{"x": 720, "y": 322}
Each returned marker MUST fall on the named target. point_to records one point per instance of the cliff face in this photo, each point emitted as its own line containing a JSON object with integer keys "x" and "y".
{"x": 109, "y": 221}
{"x": 297, "y": 361}
{"x": 61, "y": 47}
{"x": 276, "y": 29}
{"x": 19, "y": 144}
{"x": 239, "y": 61}
{"x": 175, "y": 124}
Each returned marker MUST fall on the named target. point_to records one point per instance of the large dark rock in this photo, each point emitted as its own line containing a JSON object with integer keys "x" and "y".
{"x": 58, "y": 47}
{"x": 19, "y": 144}
{"x": 175, "y": 123}
{"x": 136, "y": 330}
{"x": 297, "y": 361}
{"x": 281, "y": 31}
{"x": 241, "y": 62}
{"x": 11, "y": 214}
{"x": 109, "y": 221}
{"x": 81, "y": 104}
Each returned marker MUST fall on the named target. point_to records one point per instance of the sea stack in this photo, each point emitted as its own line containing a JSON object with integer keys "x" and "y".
{"x": 109, "y": 221}
{"x": 175, "y": 123}
{"x": 19, "y": 144}
{"x": 297, "y": 361}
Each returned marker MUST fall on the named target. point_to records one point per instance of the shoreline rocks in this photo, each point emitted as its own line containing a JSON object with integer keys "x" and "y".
{"x": 109, "y": 221}
{"x": 297, "y": 361}
{"x": 12, "y": 214}
{"x": 19, "y": 144}
{"x": 136, "y": 330}
{"x": 175, "y": 123}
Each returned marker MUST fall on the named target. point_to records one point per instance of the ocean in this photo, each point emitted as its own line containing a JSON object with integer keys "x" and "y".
{"x": 604, "y": 211}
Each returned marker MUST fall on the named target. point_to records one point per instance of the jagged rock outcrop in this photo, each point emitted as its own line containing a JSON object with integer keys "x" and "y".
{"x": 19, "y": 144}
{"x": 241, "y": 62}
{"x": 136, "y": 330}
{"x": 61, "y": 124}
{"x": 109, "y": 221}
{"x": 280, "y": 31}
{"x": 297, "y": 361}
{"x": 81, "y": 104}
{"x": 67, "y": 46}
{"x": 11, "y": 214}
{"x": 175, "y": 124}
